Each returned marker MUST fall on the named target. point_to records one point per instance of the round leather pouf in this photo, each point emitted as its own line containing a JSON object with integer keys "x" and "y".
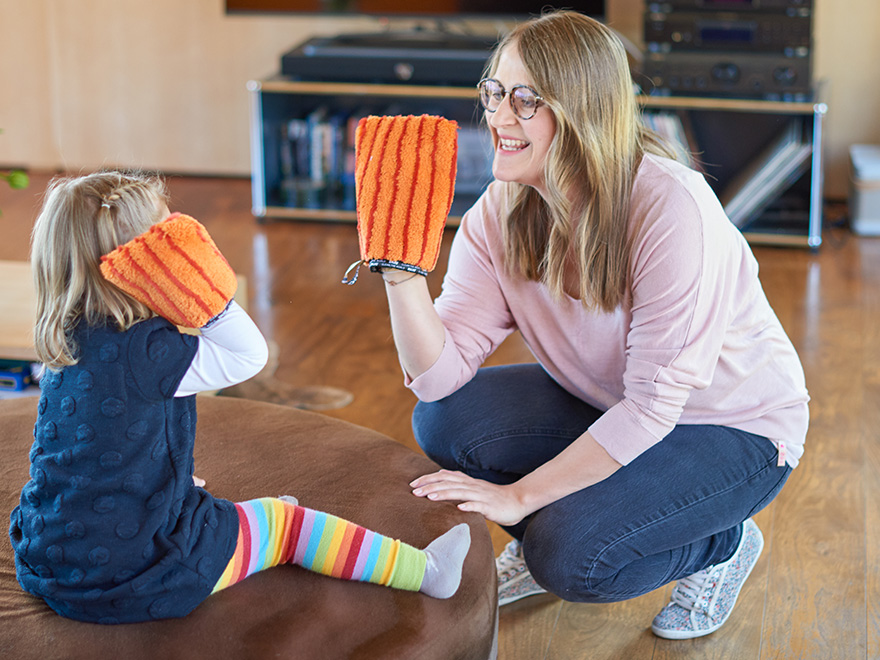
{"x": 245, "y": 450}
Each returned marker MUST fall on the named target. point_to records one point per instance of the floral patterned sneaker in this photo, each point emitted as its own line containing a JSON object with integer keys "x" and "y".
{"x": 514, "y": 579}
{"x": 702, "y": 602}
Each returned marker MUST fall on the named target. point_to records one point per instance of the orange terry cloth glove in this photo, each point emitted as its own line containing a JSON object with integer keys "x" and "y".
{"x": 175, "y": 269}
{"x": 404, "y": 183}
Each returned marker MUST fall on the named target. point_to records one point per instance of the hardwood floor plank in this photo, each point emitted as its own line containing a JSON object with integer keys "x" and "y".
{"x": 527, "y": 626}
{"x": 816, "y": 591}
{"x": 870, "y": 436}
{"x": 815, "y": 599}
{"x": 608, "y": 631}
{"x": 871, "y": 478}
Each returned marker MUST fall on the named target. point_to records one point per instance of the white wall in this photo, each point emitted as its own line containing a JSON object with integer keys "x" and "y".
{"x": 161, "y": 84}
{"x": 154, "y": 84}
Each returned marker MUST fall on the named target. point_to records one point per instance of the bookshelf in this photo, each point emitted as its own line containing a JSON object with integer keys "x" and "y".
{"x": 767, "y": 151}
{"x": 302, "y": 143}
{"x": 762, "y": 158}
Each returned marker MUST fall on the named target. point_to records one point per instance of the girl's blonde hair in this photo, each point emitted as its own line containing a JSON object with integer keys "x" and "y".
{"x": 83, "y": 218}
{"x": 579, "y": 67}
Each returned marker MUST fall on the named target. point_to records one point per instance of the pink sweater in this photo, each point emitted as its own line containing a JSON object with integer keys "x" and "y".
{"x": 695, "y": 341}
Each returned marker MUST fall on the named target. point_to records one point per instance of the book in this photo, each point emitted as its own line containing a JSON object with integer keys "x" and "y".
{"x": 294, "y": 160}
{"x": 671, "y": 127}
{"x": 474, "y": 163}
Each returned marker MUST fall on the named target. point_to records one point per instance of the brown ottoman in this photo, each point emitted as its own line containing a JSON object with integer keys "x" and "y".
{"x": 246, "y": 449}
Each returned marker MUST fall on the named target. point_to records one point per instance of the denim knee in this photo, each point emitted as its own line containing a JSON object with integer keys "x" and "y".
{"x": 552, "y": 567}
{"x": 587, "y": 561}
{"x": 573, "y": 573}
{"x": 431, "y": 432}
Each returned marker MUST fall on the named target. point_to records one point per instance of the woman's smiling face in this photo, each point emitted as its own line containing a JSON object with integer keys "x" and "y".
{"x": 521, "y": 145}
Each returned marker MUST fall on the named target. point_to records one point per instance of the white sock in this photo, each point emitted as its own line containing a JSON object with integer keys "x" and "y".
{"x": 445, "y": 559}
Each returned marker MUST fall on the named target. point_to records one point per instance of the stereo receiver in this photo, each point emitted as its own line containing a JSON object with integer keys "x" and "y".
{"x": 782, "y": 6}
{"x": 729, "y": 32}
{"x": 745, "y": 75}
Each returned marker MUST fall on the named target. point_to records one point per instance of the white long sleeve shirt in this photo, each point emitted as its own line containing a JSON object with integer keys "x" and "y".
{"x": 231, "y": 350}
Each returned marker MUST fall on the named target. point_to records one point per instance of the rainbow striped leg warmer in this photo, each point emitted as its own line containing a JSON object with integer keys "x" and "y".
{"x": 273, "y": 532}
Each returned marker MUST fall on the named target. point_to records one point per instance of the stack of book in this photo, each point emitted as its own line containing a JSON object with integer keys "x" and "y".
{"x": 676, "y": 133}
{"x": 317, "y": 159}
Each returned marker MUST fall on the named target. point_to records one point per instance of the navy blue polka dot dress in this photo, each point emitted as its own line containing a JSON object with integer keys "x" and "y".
{"x": 110, "y": 528}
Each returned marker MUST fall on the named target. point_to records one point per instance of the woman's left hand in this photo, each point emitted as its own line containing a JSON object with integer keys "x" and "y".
{"x": 500, "y": 504}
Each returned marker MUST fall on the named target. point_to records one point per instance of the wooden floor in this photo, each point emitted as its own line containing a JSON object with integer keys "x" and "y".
{"x": 814, "y": 593}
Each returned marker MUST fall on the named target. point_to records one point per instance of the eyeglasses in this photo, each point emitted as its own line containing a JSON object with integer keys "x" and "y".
{"x": 523, "y": 99}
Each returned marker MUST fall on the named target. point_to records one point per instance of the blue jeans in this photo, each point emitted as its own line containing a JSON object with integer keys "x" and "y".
{"x": 675, "y": 510}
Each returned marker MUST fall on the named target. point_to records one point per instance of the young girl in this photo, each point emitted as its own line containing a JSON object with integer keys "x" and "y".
{"x": 111, "y": 527}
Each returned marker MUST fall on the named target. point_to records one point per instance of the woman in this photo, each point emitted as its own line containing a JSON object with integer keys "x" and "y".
{"x": 667, "y": 406}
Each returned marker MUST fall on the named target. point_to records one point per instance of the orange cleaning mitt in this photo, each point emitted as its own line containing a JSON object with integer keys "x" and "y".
{"x": 175, "y": 269}
{"x": 404, "y": 182}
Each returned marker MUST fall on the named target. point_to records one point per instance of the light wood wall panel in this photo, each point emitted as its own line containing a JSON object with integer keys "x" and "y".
{"x": 847, "y": 37}
{"x": 161, "y": 84}
{"x": 25, "y": 86}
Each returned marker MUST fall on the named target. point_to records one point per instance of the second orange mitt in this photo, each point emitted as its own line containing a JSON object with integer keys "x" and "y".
{"x": 404, "y": 182}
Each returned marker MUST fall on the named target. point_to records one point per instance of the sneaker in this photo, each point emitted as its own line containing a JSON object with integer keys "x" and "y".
{"x": 514, "y": 579}
{"x": 702, "y": 602}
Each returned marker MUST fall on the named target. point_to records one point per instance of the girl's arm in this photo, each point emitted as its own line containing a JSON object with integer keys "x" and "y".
{"x": 231, "y": 349}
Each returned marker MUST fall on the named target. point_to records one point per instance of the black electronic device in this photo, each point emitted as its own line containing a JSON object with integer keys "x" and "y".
{"x": 450, "y": 9}
{"x": 730, "y": 32}
{"x": 414, "y": 57}
{"x": 780, "y": 6}
{"x": 758, "y": 49}
{"x": 449, "y": 54}
{"x": 743, "y": 75}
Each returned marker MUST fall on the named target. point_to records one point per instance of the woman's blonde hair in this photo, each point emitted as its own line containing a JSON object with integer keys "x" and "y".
{"x": 83, "y": 218}
{"x": 579, "y": 67}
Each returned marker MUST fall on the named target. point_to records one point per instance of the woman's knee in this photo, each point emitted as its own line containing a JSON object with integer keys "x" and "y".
{"x": 444, "y": 428}
{"x": 497, "y": 400}
{"x": 572, "y": 578}
{"x": 431, "y": 432}
{"x": 577, "y": 565}
{"x": 555, "y": 569}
